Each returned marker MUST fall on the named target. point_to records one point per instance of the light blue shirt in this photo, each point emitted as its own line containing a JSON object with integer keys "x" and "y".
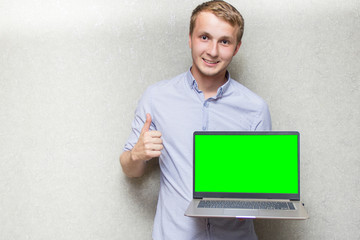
{"x": 178, "y": 108}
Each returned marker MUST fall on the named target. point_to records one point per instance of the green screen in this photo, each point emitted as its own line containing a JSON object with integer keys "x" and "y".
{"x": 246, "y": 163}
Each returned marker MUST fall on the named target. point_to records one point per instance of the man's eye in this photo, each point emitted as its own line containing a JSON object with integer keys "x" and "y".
{"x": 225, "y": 42}
{"x": 204, "y": 37}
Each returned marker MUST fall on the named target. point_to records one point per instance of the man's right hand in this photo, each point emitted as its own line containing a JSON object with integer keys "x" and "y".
{"x": 149, "y": 144}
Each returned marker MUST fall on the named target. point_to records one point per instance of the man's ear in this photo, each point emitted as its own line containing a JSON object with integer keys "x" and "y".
{"x": 237, "y": 48}
{"x": 190, "y": 40}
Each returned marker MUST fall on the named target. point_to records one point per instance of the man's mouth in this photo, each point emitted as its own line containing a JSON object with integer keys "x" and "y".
{"x": 210, "y": 61}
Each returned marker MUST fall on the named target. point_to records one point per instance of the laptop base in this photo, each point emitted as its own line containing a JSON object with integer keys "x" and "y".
{"x": 298, "y": 214}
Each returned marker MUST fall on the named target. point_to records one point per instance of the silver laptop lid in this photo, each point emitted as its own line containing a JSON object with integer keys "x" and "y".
{"x": 262, "y": 165}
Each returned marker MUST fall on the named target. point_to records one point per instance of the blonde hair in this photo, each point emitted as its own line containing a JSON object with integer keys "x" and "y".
{"x": 222, "y": 10}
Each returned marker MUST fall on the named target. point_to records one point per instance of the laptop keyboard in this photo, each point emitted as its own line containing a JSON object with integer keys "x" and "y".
{"x": 246, "y": 204}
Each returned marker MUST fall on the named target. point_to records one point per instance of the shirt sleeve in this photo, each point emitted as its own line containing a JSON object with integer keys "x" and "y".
{"x": 263, "y": 121}
{"x": 143, "y": 107}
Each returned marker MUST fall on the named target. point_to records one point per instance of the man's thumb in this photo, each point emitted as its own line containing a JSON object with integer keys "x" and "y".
{"x": 147, "y": 124}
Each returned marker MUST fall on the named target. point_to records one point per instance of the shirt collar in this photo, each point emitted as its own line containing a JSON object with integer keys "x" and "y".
{"x": 221, "y": 90}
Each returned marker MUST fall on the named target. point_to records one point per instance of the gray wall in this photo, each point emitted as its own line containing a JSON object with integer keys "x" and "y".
{"x": 71, "y": 73}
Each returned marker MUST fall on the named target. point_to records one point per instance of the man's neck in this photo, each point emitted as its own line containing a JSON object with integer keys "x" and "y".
{"x": 210, "y": 84}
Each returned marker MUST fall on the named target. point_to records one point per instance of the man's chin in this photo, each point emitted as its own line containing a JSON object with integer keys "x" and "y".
{"x": 207, "y": 72}
{"x": 214, "y": 73}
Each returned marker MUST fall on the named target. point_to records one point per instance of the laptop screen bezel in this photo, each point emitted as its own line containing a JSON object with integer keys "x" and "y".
{"x": 200, "y": 195}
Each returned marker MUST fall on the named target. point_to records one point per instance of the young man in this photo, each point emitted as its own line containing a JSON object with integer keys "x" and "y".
{"x": 203, "y": 98}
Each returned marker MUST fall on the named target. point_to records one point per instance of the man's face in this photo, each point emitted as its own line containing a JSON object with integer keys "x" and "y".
{"x": 213, "y": 44}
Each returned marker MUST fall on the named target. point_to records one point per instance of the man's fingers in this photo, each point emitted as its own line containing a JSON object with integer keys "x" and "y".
{"x": 147, "y": 124}
{"x": 150, "y": 143}
{"x": 156, "y": 147}
{"x": 157, "y": 140}
{"x": 153, "y": 154}
{"x": 154, "y": 134}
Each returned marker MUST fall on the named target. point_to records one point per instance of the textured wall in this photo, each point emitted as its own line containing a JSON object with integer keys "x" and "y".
{"x": 71, "y": 73}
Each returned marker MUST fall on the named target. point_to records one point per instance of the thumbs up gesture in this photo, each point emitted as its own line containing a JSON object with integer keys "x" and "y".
{"x": 149, "y": 144}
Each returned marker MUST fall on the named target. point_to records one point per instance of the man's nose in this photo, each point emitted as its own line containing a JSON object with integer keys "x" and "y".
{"x": 213, "y": 50}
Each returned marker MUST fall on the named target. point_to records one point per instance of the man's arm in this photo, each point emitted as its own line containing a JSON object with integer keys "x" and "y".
{"x": 263, "y": 122}
{"x": 148, "y": 146}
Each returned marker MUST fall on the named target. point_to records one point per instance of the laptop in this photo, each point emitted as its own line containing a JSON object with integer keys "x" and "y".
{"x": 246, "y": 175}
